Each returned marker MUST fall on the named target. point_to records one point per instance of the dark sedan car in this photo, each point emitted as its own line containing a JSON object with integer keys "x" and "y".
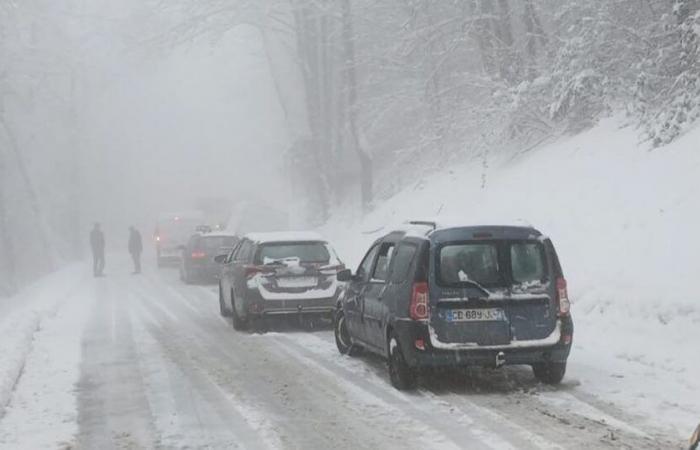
{"x": 197, "y": 262}
{"x": 290, "y": 273}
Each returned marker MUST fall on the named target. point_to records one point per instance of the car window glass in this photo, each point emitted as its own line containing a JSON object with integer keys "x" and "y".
{"x": 366, "y": 265}
{"x": 243, "y": 251}
{"x": 306, "y": 252}
{"x": 402, "y": 262}
{"x": 233, "y": 252}
{"x": 460, "y": 263}
{"x": 381, "y": 268}
{"x": 527, "y": 262}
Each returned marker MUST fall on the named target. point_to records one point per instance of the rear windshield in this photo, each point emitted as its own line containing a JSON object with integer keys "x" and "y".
{"x": 491, "y": 263}
{"x": 217, "y": 242}
{"x": 310, "y": 252}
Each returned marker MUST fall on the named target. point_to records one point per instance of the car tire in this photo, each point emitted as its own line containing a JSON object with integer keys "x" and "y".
{"x": 222, "y": 306}
{"x": 239, "y": 324}
{"x": 402, "y": 376}
{"x": 549, "y": 372}
{"x": 342, "y": 336}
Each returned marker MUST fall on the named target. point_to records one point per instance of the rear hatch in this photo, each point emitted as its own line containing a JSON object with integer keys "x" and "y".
{"x": 296, "y": 270}
{"x": 491, "y": 287}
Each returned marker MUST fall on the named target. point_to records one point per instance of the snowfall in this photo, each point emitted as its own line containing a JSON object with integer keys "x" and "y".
{"x": 147, "y": 362}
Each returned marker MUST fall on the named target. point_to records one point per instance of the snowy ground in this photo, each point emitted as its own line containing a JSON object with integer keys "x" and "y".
{"x": 147, "y": 362}
{"x": 625, "y": 221}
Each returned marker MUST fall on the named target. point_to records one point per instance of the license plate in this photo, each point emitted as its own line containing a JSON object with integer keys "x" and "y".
{"x": 297, "y": 282}
{"x": 475, "y": 315}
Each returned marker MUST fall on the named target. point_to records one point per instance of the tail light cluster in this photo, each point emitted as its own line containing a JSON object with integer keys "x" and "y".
{"x": 563, "y": 298}
{"x": 198, "y": 255}
{"x": 419, "y": 309}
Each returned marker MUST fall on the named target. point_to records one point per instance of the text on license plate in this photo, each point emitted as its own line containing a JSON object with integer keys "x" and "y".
{"x": 297, "y": 282}
{"x": 475, "y": 315}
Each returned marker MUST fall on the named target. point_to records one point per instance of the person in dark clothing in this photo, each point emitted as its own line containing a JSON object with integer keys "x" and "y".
{"x": 97, "y": 245}
{"x": 135, "y": 248}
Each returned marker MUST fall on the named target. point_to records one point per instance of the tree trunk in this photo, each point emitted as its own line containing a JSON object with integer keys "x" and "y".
{"x": 351, "y": 85}
{"x": 8, "y": 279}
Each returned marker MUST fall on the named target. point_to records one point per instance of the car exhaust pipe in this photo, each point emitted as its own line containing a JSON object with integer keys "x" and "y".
{"x": 500, "y": 359}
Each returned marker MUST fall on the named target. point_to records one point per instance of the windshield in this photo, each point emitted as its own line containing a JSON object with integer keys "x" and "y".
{"x": 309, "y": 252}
{"x": 491, "y": 264}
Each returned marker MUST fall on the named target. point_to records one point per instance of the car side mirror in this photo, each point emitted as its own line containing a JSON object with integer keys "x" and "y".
{"x": 345, "y": 275}
{"x": 220, "y": 259}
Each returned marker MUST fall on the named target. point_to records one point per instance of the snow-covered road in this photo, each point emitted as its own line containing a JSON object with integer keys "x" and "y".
{"x": 147, "y": 362}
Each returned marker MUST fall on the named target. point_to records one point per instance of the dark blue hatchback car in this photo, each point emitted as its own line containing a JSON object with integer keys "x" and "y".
{"x": 432, "y": 296}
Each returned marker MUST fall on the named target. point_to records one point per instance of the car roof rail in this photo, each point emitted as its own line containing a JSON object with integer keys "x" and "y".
{"x": 427, "y": 223}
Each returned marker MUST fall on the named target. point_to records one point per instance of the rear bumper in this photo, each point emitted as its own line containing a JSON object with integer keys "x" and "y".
{"x": 204, "y": 272}
{"x": 256, "y": 305}
{"x": 517, "y": 353}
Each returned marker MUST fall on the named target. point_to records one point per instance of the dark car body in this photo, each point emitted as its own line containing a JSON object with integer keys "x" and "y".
{"x": 279, "y": 274}
{"x": 459, "y": 296}
{"x": 197, "y": 263}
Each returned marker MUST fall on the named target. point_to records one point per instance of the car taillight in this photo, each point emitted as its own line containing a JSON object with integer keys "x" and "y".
{"x": 198, "y": 255}
{"x": 563, "y": 297}
{"x": 418, "y": 309}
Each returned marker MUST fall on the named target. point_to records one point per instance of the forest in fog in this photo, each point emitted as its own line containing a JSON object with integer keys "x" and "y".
{"x": 368, "y": 97}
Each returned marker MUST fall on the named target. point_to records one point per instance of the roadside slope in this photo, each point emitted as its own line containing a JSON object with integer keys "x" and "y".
{"x": 624, "y": 221}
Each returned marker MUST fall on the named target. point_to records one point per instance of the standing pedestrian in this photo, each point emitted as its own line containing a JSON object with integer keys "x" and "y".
{"x": 135, "y": 248}
{"x": 97, "y": 245}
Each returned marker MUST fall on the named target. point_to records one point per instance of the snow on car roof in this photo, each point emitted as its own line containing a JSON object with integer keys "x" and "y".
{"x": 219, "y": 234}
{"x": 285, "y": 236}
{"x": 424, "y": 226}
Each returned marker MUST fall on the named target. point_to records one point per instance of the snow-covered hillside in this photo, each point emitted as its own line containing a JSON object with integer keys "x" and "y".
{"x": 624, "y": 220}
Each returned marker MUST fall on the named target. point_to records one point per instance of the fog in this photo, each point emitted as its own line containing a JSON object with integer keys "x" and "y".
{"x": 117, "y": 111}
{"x": 199, "y": 121}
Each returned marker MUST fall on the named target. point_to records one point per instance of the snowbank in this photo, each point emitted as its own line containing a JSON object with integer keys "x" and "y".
{"x": 20, "y": 319}
{"x": 624, "y": 220}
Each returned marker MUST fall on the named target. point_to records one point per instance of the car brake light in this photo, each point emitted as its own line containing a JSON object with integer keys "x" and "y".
{"x": 198, "y": 255}
{"x": 419, "y": 301}
{"x": 563, "y": 297}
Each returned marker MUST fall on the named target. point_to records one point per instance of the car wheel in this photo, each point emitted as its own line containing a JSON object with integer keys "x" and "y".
{"x": 342, "y": 336}
{"x": 402, "y": 376}
{"x": 222, "y": 306}
{"x": 238, "y": 323}
{"x": 550, "y": 372}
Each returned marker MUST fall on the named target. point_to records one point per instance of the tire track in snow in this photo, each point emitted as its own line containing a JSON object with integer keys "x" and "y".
{"x": 470, "y": 432}
{"x": 511, "y": 412}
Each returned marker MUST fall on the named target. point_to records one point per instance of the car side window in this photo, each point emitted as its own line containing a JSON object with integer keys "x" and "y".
{"x": 233, "y": 253}
{"x": 381, "y": 268}
{"x": 365, "y": 268}
{"x": 242, "y": 253}
{"x": 403, "y": 259}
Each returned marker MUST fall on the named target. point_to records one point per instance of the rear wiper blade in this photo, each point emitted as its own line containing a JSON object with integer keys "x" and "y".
{"x": 476, "y": 285}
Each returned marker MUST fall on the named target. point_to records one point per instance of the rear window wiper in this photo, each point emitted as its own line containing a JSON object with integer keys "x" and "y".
{"x": 476, "y": 285}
